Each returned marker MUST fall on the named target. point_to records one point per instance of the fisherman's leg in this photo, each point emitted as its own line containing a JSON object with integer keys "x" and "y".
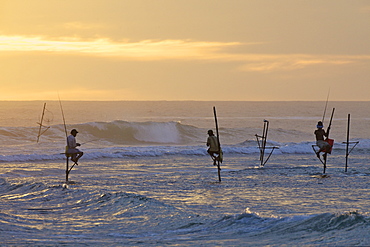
{"x": 322, "y": 147}
{"x": 326, "y": 149}
{"x": 212, "y": 154}
{"x": 324, "y": 155}
{"x": 79, "y": 155}
{"x": 73, "y": 157}
{"x": 214, "y": 159}
{"x": 218, "y": 156}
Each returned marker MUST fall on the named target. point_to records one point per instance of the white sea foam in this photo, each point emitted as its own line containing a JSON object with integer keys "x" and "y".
{"x": 143, "y": 139}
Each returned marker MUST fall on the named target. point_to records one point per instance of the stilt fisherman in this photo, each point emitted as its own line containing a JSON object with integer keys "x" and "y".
{"x": 320, "y": 140}
{"x": 212, "y": 143}
{"x": 75, "y": 153}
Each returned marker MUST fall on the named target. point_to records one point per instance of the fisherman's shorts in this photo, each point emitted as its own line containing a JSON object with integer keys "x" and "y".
{"x": 73, "y": 151}
{"x": 322, "y": 144}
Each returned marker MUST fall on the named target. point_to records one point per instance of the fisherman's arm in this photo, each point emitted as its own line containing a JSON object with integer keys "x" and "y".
{"x": 327, "y": 132}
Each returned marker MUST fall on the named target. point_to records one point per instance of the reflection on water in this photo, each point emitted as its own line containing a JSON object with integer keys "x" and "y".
{"x": 131, "y": 201}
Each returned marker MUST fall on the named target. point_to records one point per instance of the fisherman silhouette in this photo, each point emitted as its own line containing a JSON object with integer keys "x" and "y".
{"x": 212, "y": 143}
{"x": 320, "y": 135}
{"x": 75, "y": 153}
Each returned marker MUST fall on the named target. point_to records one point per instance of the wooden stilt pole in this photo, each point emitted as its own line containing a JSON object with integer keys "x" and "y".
{"x": 347, "y": 144}
{"x": 264, "y": 139}
{"x": 328, "y": 131}
{"x": 263, "y": 142}
{"x": 219, "y": 146}
{"x": 41, "y": 124}
{"x": 67, "y": 168}
{"x": 348, "y": 149}
{"x": 65, "y": 130}
{"x": 42, "y": 119}
{"x": 324, "y": 163}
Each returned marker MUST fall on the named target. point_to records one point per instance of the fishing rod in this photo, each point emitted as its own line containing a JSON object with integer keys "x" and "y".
{"x": 64, "y": 120}
{"x": 331, "y": 119}
{"x": 326, "y": 105}
{"x": 68, "y": 169}
{"x": 330, "y": 141}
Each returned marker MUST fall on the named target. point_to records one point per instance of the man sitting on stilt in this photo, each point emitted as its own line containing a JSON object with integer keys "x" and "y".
{"x": 212, "y": 143}
{"x": 75, "y": 153}
{"x": 320, "y": 142}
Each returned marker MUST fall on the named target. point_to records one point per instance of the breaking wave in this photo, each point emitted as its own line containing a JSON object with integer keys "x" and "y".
{"x": 140, "y": 139}
{"x": 118, "y": 132}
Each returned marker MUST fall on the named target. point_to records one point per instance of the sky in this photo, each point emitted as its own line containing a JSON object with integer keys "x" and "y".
{"x": 248, "y": 50}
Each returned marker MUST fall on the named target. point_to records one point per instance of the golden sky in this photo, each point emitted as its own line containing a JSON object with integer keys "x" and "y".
{"x": 184, "y": 49}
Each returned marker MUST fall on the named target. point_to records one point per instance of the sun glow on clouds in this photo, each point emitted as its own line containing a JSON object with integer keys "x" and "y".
{"x": 149, "y": 50}
{"x": 143, "y": 50}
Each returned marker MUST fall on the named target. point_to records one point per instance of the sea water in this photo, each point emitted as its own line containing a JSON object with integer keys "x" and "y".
{"x": 146, "y": 178}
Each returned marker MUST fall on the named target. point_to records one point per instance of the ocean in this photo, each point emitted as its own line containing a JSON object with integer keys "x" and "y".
{"x": 146, "y": 179}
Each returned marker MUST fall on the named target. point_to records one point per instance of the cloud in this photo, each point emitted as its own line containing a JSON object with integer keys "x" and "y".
{"x": 142, "y": 50}
{"x": 270, "y": 63}
{"x": 152, "y": 50}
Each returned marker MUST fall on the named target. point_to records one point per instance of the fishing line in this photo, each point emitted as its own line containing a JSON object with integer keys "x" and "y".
{"x": 89, "y": 141}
